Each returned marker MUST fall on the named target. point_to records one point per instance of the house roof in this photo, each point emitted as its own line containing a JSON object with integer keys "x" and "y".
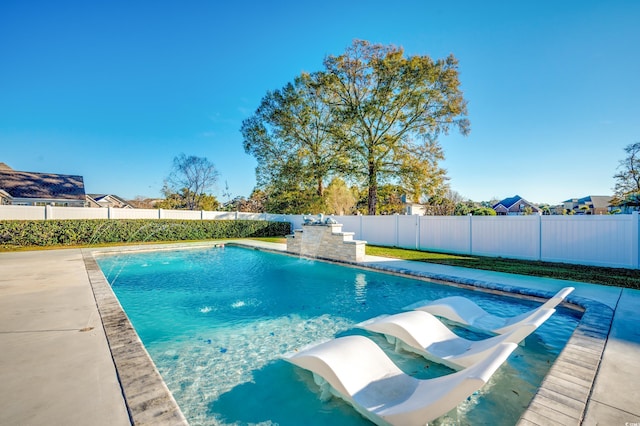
{"x": 99, "y": 197}
{"x": 108, "y": 198}
{"x": 508, "y": 202}
{"x": 597, "y": 201}
{"x": 41, "y": 185}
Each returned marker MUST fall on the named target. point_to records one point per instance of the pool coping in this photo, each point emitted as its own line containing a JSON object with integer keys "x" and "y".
{"x": 561, "y": 398}
{"x": 146, "y": 395}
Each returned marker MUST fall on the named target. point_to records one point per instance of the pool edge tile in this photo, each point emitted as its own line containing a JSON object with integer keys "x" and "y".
{"x": 146, "y": 395}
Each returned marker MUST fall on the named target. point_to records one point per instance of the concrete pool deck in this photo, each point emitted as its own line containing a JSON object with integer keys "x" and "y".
{"x": 68, "y": 357}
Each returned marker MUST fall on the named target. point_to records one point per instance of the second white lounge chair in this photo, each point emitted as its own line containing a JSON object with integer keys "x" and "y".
{"x": 359, "y": 372}
{"x": 464, "y": 311}
{"x": 422, "y": 333}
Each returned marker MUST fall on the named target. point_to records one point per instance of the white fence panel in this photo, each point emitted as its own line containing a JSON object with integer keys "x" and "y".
{"x": 76, "y": 213}
{"x": 22, "y": 213}
{"x": 445, "y": 233}
{"x": 251, "y": 216}
{"x": 507, "y": 236}
{"x": 407, "y": 231}
{"x": 379, "y": 229}
{"x": 219, "y": 215}
{"x": 182, "y": 214}
{"x": 592, "y": 240}
{"x": 134, "y": 213}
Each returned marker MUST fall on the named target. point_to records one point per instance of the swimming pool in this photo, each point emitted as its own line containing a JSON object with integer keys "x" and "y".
{"x": 216, "y": 321}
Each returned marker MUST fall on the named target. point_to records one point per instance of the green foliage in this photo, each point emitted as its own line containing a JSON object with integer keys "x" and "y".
{"x": 391, "y": 110}
{"x": 483, "y": 211}
{"x": 293, "y": 200}
{"x": 289, "y": 136}
{"x": 25, "y": 233}
{"x": 339, "y": 199}
{"x": 185, "y": 198}
{"x": 628, "y": 175}
{"x": 472, "y": 208}
{"x": 390, "y": 197}
{"x": 254, "y": 204}
{"x": 372, "y": 116}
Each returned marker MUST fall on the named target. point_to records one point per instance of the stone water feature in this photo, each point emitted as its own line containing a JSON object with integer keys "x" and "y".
{"x": 323, "y": 238}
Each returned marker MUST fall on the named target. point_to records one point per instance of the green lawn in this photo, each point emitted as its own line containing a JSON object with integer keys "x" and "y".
{"x": 629, "y": 278}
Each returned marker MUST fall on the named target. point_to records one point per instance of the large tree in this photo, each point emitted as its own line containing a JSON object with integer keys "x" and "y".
{"x": 288, "y": 135}
{"x": 389, "y": 110}
{"x": 190, "y": 179}
{"x": 628, "y": 176}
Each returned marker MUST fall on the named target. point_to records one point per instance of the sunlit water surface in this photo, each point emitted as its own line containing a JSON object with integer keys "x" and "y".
{"x": 217, "y": 321}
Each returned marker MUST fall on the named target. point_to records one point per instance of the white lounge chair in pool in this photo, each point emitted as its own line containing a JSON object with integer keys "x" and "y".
{"x": 464, "y": 311}
{"x": 359, "y": 372}
{"x": 422, "y": 333}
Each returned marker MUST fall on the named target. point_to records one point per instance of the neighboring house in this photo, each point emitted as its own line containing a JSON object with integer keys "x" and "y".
{"x": 591, "y": 204}
{"x": 415, "y": 208}
{"x": 515, "y": 205}
{"x": 40, "y": 189}
{"x": 411, "y": 208}
{"x": 107, "y": 200}
{"x": 630, "y": 204}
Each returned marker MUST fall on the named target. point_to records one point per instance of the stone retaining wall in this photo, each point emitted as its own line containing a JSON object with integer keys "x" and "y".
{"x": 326, "y": 241}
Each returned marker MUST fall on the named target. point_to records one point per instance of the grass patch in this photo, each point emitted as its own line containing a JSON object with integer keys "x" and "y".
{"x": 618, "y": 277}
{"x": 281, "y": 240}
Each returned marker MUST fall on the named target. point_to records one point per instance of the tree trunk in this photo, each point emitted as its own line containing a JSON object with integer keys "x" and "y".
{"x": 372, "y": 199}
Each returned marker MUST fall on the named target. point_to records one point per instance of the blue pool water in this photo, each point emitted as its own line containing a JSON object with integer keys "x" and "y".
{"x": 216, "y": 322}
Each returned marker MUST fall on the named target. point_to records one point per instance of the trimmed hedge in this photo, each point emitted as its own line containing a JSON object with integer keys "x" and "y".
{"x": 25, "y": 233}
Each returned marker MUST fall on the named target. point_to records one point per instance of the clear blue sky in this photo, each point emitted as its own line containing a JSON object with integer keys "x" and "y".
{"x": 114, "y": 90}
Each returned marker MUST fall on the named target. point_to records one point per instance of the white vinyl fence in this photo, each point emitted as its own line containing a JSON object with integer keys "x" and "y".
{"x": 61, "y": 213}
{"x": 606, "y": 240}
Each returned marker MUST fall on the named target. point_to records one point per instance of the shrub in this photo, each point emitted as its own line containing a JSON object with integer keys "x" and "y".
{"x": 25, "y": 233}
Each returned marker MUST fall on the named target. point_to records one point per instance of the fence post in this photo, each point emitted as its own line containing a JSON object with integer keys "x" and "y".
{"x": 540, "y": 235}
{"x": 470, "y": 233}
{"x": 397, "y": 230}
{"x": 417, "y": 232}
{"x": 635, "y": 240}
{"x": 201, "y": 214}
{"x": 160, "y": 214}
{"x": 48, "y": 212}
{"x": 109, "y": 212}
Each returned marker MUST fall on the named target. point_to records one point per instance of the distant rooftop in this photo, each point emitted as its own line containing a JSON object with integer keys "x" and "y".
{"x": 41, "y": 185}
